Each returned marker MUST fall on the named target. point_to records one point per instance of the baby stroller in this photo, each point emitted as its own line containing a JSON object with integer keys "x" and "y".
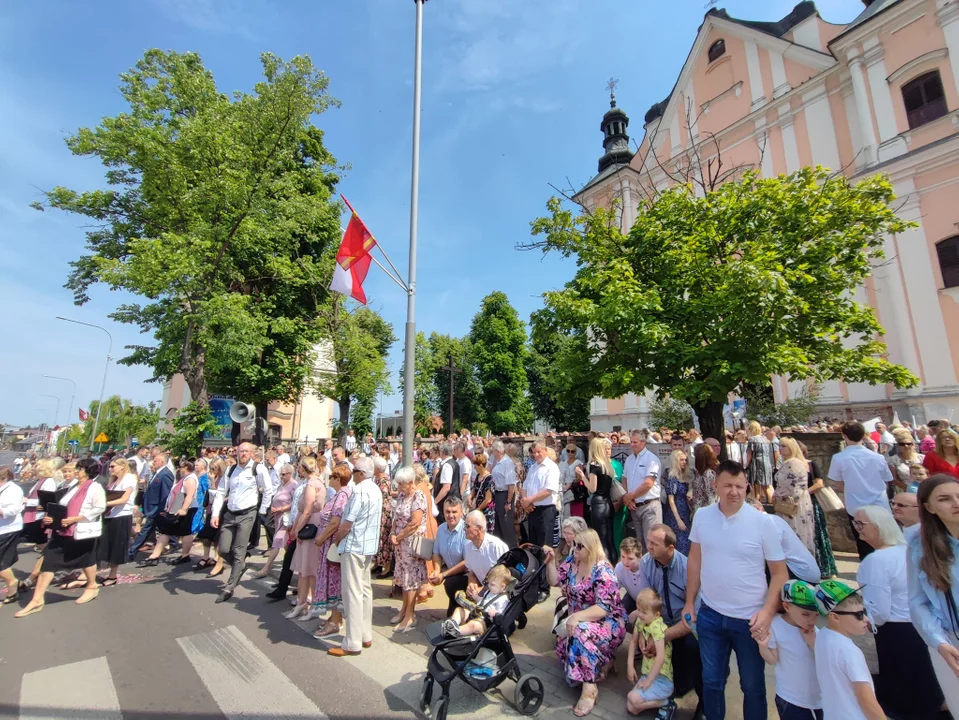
{"x": 486, "y": 661}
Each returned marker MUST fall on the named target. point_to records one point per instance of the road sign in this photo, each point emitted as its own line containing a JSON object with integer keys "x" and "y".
{"x": 134, "y": 442}
{"x": 74, "y": 442}
{"x": 102, "y": 437}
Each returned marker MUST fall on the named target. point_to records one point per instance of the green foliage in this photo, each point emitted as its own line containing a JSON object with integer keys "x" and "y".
{"x": 467, "y": 396}
{"x": 425, "y": 391}
{"x": 794, "y": 411}
{"x": 556, "y": 396}
{"x": 704, "y": 294}
{"x": 670, "y": 413}
{"x": 498, "y": 338}
{"x": 361, "y": 415}
{"x": 214, "y": 211}
{"x": 122, "y": 421}
{"x": 190, "y": 426}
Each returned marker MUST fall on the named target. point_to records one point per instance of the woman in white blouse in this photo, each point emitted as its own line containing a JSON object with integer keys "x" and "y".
{"x": 73, "y": 543}
{"x": 33, "y": 530}
{"x": 907, "y": 686}
{"x": 11, "y": 522}
{"x": 118, "y": 522}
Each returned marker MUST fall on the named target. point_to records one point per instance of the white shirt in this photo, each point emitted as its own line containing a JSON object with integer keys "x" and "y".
{"x": 127, "y": 482}
{"x": 504, "y": 474}
{"x": 239, "y": 489}
{"x": 839, "y": 664}
{"x": 734, "y": 555}
{"x": 543, "y": 476}
{"x": 350, "y": 443}
{"x": 798, "y": 558}
{"x": 864, "y": 475}
{"x": 466, "y": 469}
{"x": 282, "y": 460}
{"x": 93, "y": 506}
{"x": 567, "y": 472}
{"x": 883, "y": 576}
{"x": 11, "y": 508}
{"x": 638, "y": 468}
{"x": 480, "y": 559}
{"x": 631, "y": 582}
{"x": 446, "y": 472}
{"x": 796, "y": 680}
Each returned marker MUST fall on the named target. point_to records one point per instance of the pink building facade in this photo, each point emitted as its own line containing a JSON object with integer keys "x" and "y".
{"x": 877, "y": 95}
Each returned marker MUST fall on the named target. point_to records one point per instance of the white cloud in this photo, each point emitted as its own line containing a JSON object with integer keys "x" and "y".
{"x": 223, "y": 17}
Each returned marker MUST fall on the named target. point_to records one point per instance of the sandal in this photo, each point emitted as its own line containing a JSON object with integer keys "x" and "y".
{"x": 11, "y": 598}
{"x": 204, "y": 563}
{"x": 109, "y": 582}
{"x": 326, "y": 630}
{"x": 29, "y": 610}
{"x": 585, "y": 706}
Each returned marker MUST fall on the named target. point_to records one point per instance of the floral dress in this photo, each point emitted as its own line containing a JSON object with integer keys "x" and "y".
{"x": 409, "y": 571}
{"x": 384, "y": 557}
{"x": 825, "y": 558}
{"x": 792, "y": 482}
{"x": 481, "y": 486}
{"x": 591, "y": 647}
{"x": 677, "y": 489}
{"x": 704, "y": 490}
{"x": 760, "y": 470}
{"x": 327, "y": 594}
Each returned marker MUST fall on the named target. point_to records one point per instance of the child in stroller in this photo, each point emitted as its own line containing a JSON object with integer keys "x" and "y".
{"x": 470, "y": 617}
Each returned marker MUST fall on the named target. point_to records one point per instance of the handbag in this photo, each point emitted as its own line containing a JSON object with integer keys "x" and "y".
{"x": 828, "y": 499}
{"x": 307, "y": 532}
{"x": 333, "y": 555}
{"x": 422, "y": 547}
{"x": 560, "y": 616}
{"x": 616, "y": 491}
{"x": 786, "y": 506}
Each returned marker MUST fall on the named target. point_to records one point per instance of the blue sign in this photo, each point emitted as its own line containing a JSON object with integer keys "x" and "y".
{"x": 74, "y": 442}
{"x": 134, "y": 442}
{"x": 220, "y": 408}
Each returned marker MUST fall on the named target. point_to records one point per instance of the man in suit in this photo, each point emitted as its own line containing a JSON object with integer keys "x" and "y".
{"x": 154, "y": 499}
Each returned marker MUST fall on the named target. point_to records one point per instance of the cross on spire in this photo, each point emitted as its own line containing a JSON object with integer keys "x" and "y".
{"x": 611, "y": 86}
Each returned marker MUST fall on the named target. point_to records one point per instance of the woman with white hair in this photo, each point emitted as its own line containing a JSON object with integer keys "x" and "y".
{"x": 409, "y": 521}
{"x": 907, "y": 686}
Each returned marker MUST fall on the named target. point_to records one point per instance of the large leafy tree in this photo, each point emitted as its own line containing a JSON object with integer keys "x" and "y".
{"x": 467, "y": 396}
{"x": 215, "y": 209}
{"x": 425, "y": 392}
{"x": 555, "y": 396}
{"x": 122, "y": 421}
{"x": 498, "y": 338}
{"x": 707, "y": 293}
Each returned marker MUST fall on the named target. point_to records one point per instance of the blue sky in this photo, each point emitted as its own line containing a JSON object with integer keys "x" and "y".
{"x": 513, "y": 92}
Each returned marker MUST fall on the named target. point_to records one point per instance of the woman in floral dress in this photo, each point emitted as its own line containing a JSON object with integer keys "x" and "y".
{"x": 825, "y": 558}
{"x": 327, "y": 595}
{"x": 384, "y": 557}
{"x": 589, "y": 647}
{"x": 792, "y": 481}
{"x": 482, "y": 492}
{"x": 677, "y": 513}
{"x": 409, "y": 520}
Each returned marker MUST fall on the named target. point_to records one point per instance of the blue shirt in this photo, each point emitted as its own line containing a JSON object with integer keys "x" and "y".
{"x": 449, "y": 543}
{"x": 364, "y": 510}
{"x": 652, "y": 575}
{"x": 928, "y": 606}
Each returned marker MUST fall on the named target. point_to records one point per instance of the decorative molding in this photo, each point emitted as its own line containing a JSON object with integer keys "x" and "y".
{"x": 917, "y": 62}
{"x": 947, "y": 14}
{"x": 952, "y": 292}
{"x": 874, "y": 54}
{"x": 880, "y": 23}
{"x": 908, "y": 21}
{"x": 736, "y": 90}
{"x": 724, "y": 60}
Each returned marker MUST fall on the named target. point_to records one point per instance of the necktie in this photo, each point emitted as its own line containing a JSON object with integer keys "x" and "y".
{"x": 666, "y": 602}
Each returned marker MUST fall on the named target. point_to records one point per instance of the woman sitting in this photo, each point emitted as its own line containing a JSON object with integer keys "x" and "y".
{"x": 328, "y": 593}
{"x": 73, "y": 543}
{"x": 596, "y": 624}
{"x": 114, "y": 543}
{"x": 176, "y": 519}
{"x": 409, "y": 521}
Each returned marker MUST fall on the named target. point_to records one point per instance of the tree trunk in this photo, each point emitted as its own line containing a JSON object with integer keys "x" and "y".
{"x": 344, "y": 404}
{"x": 710, "y": 414}
{"x": 193, "y": 367}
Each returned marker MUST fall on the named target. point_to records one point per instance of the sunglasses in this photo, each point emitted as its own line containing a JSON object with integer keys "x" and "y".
{"x": 858, "y": 614}
{"x": 579, "y": 546}
{"x": 902, "y": 505}
{"x": 905, "y": 444}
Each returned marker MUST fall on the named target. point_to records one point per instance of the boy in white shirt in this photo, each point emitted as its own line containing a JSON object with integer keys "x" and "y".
{"x": 844, "y": 677}
{"x": 470, "y": 617}
{"x": 789, "y": 646}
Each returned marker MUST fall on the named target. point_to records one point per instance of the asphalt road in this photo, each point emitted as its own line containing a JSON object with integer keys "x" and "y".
{"x": 159, "y": 647}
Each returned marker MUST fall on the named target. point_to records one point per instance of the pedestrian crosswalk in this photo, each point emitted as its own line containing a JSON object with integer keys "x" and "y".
{"x": 62, "y": 691}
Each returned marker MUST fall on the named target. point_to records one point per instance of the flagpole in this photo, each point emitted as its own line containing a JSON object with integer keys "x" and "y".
{"x": 388, "y": 273}
{"x": 410, "y": 350}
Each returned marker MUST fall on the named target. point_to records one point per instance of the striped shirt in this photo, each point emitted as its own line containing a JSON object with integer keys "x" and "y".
{"x": 364, "y": 510}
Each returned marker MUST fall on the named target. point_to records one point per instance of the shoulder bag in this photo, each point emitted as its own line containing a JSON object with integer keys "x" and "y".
{"x": 307, "y": 532}
{"x": 787, "y": 507}
{"x": 560, "y": 616}
{"x": 333, "y": 554}
{"x": 828, "y": 499}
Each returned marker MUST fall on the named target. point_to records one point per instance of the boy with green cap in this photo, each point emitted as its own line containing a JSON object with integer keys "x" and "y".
{"x": 789, "y": 646}
{"x": 844, "y": 677}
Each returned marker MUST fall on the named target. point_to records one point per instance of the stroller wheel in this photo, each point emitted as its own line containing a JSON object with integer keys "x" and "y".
{"x": 529, "y": 693}
{"x": 439, "y": 707}
{"x": 426, "y": 693}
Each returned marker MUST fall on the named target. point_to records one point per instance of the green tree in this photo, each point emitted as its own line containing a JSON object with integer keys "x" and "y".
{"x": 556, "y": 396}
{"x": 425, "y": 391}
{"x": 122, "y": 421}
{"x": 467, "y": 396}
{"x": 498, "y": 338}
{"x": 190, "y": 427}
{"x": 794, "y": 411}
{"x": 705, "y": 294}
{"x": 670, "y": 413}
{"x": 215, "y": 209}
{"x": 361, "y": 415}
{"x": 360, "y": 340}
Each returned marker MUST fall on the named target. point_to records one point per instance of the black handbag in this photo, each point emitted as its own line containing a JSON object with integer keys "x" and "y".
{"x": 307, "y": 532}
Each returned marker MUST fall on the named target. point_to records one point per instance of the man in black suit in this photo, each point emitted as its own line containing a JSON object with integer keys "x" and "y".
{"x": 154, "y": 499}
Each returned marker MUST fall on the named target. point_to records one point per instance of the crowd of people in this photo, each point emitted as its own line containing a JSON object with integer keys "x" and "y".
{"x": 725, "y": 548}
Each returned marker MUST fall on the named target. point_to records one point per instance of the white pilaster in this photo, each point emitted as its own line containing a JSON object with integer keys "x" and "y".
{"x": 861, "y": 392}
{"x": 947, "y": 15}
{"x": 852, "y": 121}
{"x": 867, "y": 150}
{"x": 821, "y": 130}
{"x": 780, "y": 84}
{"x": 631, "y": 403}
{"x": 629, "y": 209}
{"x": 674, "y": 136}
{"x": 598, "y": 406}
{"x": 891, "y": 145}
{"x": 928, "y": 326}
{"x": 788, "y": 127}
{"x": 765, "y": 151}
{"x": 755, "y": 76}
{"x": 830, "y": 393}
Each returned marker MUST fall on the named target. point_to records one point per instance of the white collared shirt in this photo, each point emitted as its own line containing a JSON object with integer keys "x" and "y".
{"x": 543, "y": 476}
{"x": 882, "y": 577}
{"x": 504, "y": 474}
{"x": 798, "y": 557}
{"x": 240, "y": 489}
{"x": 480, "y": 559}
{"x": 638, "y": 468}
{"x": 11, "y": 508}
{"x": 864, "y": 475}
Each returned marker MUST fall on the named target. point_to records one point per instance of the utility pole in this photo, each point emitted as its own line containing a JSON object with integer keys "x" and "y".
{"x": 452, "y": 370}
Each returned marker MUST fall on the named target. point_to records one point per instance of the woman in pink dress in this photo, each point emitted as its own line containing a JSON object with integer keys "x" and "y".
{"x": 327, "y": 595}
{"x": 280, "y": 508}
{"x": 307, "y": 555}
{"x": 409, "y": 520}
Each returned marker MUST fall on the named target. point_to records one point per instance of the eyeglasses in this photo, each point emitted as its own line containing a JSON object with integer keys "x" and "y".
{"x": 858, "y": 614}
{"x": 860, "y": 524}
{"x": 905, "y": 444}
{"x": 902, "y": 505}
{"x": 579, "y": 546}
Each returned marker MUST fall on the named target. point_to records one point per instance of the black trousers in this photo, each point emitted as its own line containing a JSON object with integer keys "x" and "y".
{"x": 505, "y": 529}
{"x": 541, "y": 522}
{"x": 286, "y": 573}
{"x": 255, "y": 530}
{"x": 267, "y": 523}
{"x": 862, "y": 547}
{"x": 451, "y": 585}
{"x": 601, "y": 520}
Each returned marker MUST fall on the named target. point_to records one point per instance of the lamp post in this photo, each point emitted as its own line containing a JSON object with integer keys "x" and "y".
{"x": 72, "y": 397}
{"x": 96, "y": 421}
{"x": 56, "y": 415}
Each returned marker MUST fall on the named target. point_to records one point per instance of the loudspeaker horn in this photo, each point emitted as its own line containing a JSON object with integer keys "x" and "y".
{"x": 240, "y": 412}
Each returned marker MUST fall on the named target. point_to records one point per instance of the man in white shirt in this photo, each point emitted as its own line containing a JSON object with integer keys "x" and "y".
{"x": 481, "y": 551}
{"x": 339, "y": 458}
{"x": 732, "y": 544}
{"x": 541, "y": 495}
{"x": 282, "y": 457}
{"x": 642, "y": 476}
{"x": 466, "y": 470}
{"x": 504, "y": 493}
{"x": 328, "y": 453}
{"x": 142, "y": 467}
{"x": 350, "y": 441}
{"x": 448, "y": 472}
{"x": 862, "y": 475}
{"x": 240, "y": 491}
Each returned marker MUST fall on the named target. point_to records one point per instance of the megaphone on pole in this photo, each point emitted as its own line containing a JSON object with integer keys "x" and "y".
{"x": 241, "y": 412}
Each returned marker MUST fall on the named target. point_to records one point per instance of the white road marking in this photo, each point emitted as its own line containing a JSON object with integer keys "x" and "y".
{"x": 67, "y": 691}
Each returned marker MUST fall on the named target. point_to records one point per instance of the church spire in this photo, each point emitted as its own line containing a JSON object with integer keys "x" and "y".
{"x": 614, "y": 125}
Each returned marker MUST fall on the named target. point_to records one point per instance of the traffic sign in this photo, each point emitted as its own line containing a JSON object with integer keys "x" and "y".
{"x": 134, "y": 442}
{"x": 74, "y": 442}
{"x": 102, "y": 437}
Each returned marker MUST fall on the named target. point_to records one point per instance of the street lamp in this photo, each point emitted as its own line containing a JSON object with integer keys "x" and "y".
{"x": 72, "y": 397}
{"x": 56, "y": 415}
{"x": 96, "y": 421}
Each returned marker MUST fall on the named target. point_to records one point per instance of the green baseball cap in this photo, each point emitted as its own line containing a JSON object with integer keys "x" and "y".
{"x": 801, "y": 594}
{"x": 829, "y": 593}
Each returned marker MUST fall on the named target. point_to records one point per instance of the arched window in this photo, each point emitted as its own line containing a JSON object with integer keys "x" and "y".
{"x": 717, "y": 50}
{"x": 948, "y": 252}
{"x": 924, "y": 99}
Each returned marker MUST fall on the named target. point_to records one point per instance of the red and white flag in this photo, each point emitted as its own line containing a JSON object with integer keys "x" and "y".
{"x": 84, "y": 415}
{"x": 353, "y": 259}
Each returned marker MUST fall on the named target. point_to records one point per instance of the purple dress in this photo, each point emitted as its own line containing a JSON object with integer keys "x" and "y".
{"x": 327, "y": 594}
{"x": 409, "y": 571}
{"x": 592, "y": 645}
